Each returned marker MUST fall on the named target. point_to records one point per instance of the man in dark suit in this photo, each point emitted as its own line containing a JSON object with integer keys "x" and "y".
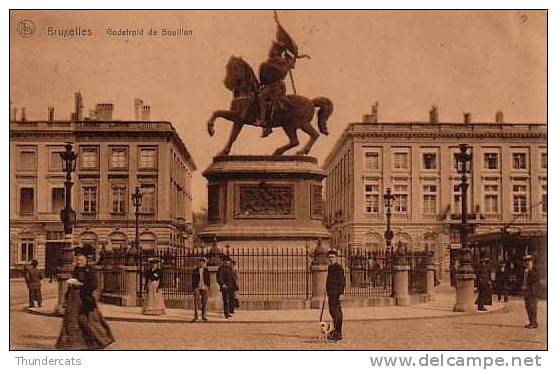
{"x": 200, "y": 283}
{"x": 335, "y": 289}
{"x": 529, "y": 288}
{"x": 225, "y": 279}
{"x": 33, "y": 277}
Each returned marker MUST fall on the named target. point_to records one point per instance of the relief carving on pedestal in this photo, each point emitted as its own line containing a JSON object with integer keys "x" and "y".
{"x": 264, "y": 200}
{"x": 316, "y": 201}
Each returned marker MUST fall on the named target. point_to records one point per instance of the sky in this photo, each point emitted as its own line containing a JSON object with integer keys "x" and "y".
{"x": 461, "y": 61}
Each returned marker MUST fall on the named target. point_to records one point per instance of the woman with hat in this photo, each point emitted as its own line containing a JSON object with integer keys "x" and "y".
{"x": 83, "y": 327}
{"x": 484, "y": 284}
{"x": 154, "y": 303}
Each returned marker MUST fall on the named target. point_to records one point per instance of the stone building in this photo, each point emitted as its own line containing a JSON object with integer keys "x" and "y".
{"x": 113, "y": 158}
{"x": 416, "y": 160}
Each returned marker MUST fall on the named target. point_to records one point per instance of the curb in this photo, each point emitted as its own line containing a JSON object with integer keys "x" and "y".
{"x": 502, "y": 309}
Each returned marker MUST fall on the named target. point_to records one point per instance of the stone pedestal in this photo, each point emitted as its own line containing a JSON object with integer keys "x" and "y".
{"x": 64, "y": 273}
{"x": 400, "y": 287}
{"x": 430, "y": 282}
{"x": 318, "y": 280}
{"x": 464, "y": 292}
{"x": 215, "y": 298}
{"x": 130, "y": 285}
{"x": 264, "y": 201}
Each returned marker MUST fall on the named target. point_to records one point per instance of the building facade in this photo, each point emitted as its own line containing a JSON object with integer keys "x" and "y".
{"x": 417, "y": 161}
{"x": 113, "y": 158}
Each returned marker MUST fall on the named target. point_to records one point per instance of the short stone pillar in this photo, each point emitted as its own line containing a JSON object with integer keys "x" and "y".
{"x": 215, "y": 298}
{"x": 318, "y": 281}
{"x": 430, "y": 282}
{"x": 129, "y": 299}
{"x": 400, "y": 285}
{"x": 64, "y": 273}
{"x": 464, "y": 292}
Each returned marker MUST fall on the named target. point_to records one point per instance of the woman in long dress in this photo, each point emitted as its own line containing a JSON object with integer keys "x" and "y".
{"x": 83, "y": 327}
{"x": 154, "y": 303}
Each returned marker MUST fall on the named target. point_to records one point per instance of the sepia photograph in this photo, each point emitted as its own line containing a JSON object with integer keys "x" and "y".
{"x": 279, "y": 180}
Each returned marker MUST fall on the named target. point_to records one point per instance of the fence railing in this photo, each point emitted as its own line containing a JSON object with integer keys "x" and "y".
{"x": 370, "y": 273}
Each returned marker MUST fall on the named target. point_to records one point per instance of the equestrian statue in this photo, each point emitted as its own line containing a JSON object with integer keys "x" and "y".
{"x": 263, "y": 102}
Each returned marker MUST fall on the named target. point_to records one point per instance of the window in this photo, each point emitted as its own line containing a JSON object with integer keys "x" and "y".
{"x": 400, "y": 161}
{"x": 89, "y": 199}
{"x": 89, "y": 158}
{"x": 58, "y": 199}
{"x": 544, "y": 161}
{"x": 457, "y": 207}
{"x": 519, "y": 199}
{"x": 491, "y": 199}
{"x": 148, "y": 158}
{"x": 119, "y": 199}
{"x": 429, "y": 161}
{"x": 119, "y": 158}
{"x": 400, "y": 204}
{"x": 491, "y": 161}
{"x": 26, "y": 201}
{"x": 55, "y": 162}
{"x": 519, "y": 161}
{"x": 455, "y": 162}
{"x": 26, "y": 249}
{"x": 371, "y": 161}
{"x": 371, "y": 198}
{"x": 148, "y": 203}
{"x": 27, "y": 159}
{"x": 544, "y": 199}
{"x": 429, "y": 204}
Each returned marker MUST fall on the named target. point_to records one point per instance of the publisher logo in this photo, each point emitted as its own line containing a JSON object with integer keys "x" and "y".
{"x": 25, "y": 28}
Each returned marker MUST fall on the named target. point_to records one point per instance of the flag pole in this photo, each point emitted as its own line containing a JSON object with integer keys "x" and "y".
{"x": 290, "y": 70}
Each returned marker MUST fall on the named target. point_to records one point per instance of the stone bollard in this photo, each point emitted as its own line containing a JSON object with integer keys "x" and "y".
{"x": 129, "y": 298}
{"x": 430, "y": 282}
{"x": 400, "y": 287}
{"x": 464, "y": 292}
{"x": 215, "y": 298}
{"x": 318, "y": 280}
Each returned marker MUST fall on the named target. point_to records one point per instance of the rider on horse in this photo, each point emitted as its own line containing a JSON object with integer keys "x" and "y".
{"x": 282, "y": 58}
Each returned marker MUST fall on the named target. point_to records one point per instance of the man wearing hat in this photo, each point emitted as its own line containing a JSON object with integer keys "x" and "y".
{"x": 484, "y": 284}
{"x": 200, "y": 283}
{"x": 33, "y": 278}
{"x": 529, "y": 288}
{"x": 225, "y": 279}
{"x": 335, "y": 289}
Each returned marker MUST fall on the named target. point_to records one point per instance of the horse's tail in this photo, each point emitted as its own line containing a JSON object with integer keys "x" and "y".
{"x": 325, "y": 106}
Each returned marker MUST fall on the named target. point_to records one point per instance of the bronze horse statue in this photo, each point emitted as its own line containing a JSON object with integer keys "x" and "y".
{"x": 244, "y": 110}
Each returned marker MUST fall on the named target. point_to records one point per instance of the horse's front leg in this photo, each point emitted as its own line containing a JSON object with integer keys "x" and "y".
{"x": 226, "y": 114}
{"x": 233, "y": 136}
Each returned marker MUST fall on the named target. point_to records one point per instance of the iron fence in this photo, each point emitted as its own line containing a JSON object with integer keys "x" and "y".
{"x": 370, "y": 273}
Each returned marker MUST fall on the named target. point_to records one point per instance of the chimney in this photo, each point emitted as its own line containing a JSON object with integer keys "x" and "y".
{"x": 467, "y": 118}
{"x": 23, "y": 117}
{"x": 104, "y": 111}
{"x": 137, "y": 108}
{"x": 78, "y": 106}
{"x": 146, "y": 113}
{"x": 434, "y": 114}
{"x": 499, "y": 117}
{"x": 50, "y": 114}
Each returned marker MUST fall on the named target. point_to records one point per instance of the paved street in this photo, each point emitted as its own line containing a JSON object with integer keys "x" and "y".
{"x": 498, "y": 330}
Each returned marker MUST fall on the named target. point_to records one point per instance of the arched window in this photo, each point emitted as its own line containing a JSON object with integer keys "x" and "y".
{"x": 90, "y": 240}
{"x": 404, "y": 239}
{"x": 148, "y": 241}
{"x": 373, "y": 242}
{"x": 118, "y": 240}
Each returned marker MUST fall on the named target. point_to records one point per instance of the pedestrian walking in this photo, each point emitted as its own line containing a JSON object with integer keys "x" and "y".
{"x": 235, "y": 300}
{"x": 530, "y": 290}
{"x": 33, "y": 277}
{"x": 335, "y": 289}
{"x": 154, "y": 303}
{"x": 226, "y": 282}
{"x": 502, "y": 280}
{"x": 200, "y": 283}
{"x": 484, "y": 285}
{"x": 83, "y": 326}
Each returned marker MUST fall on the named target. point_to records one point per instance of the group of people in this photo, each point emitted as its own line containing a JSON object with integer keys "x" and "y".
{"x": 530, "y": 286}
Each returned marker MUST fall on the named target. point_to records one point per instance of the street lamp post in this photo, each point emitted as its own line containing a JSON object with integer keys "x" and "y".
{"x": 68, "y": 218}
{"x": 465, "y": 273}
{"x": 389, "y": 198}
{"x": 137, "y": 199}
